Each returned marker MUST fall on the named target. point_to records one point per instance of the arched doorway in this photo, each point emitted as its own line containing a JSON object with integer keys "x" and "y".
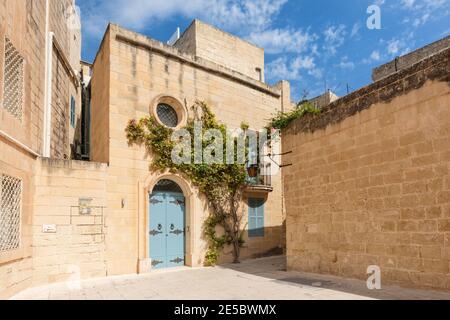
{"x": 167, "y": 214}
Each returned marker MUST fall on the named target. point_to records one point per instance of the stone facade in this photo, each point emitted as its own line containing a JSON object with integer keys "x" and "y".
{"x": 23, "y": 25}
{"x": 209, "y": 43}
{"x": 370, "y": 181}
{"x": 76, "y": 248}
{"x": 131, "y": 75}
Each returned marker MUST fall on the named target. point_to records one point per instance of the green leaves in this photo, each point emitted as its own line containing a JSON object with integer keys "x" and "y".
{"x": 220, "y": 183}
{"x": 284, "y": 119}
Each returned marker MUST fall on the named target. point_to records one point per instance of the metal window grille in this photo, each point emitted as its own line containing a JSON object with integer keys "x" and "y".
{"x": 10, "y": 211}
{"x": 72, "y": 112}
{"x": 167, "y": 115}
{"x": 13, "y": 86}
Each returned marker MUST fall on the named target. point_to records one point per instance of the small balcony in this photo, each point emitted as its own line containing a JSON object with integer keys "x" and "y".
{"x": 259, "y": 178}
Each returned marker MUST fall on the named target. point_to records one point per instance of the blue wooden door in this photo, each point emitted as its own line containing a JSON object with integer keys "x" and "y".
{"x": 175, "y": 230}
{"x": 157, "y": 234}
{"x": 167, "y": 219}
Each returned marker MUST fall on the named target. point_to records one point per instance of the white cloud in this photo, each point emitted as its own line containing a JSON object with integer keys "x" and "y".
{"x": 346, "y": 63}
{"x": 250, "y": 19}
{"x": 276, "y": 41}
{"x": 232, "y": 15}
{"x": 397, "y": 47}
{"x": 334, "y": 38}
{"x": 282, "y": 68}
{"x": 394, "y": 46}
{"x": 421, "y": 20}
{"x": 375, "y": 56}
{"x": 316, "y": 73}
{"x": 408, "y": 3}
{"x": 422, "y": 11}
{"x": 306, "y": 63}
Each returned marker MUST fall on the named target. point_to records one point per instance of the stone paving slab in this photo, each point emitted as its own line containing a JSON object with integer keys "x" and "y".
{"x": 261, "y": 279}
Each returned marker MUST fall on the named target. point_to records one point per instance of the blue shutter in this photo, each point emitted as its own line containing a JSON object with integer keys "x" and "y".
{"x": 72, "y": 112}
{"x": 255, "y": 217}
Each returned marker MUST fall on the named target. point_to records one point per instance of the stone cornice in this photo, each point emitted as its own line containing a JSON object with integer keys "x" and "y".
{"x": 145, "y": 43}
{"x": 434, "y": 68}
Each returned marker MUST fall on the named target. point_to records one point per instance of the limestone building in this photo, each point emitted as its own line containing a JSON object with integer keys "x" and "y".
{"x": 66, "y": 219}
{"x": 39, "y": 117}
{"x": 134, "y": 76}
{"x": 369, "y": 181}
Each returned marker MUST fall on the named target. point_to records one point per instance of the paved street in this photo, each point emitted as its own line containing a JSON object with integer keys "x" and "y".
{"x": 256, "y": 279}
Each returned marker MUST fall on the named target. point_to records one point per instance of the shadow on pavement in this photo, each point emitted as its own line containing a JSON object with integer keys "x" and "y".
{"x": 275, "y": 268}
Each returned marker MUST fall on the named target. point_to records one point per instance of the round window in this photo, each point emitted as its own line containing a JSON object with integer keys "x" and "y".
{"x": 167, "y": 115}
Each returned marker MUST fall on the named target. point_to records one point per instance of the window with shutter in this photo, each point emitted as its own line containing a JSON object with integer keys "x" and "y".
{"x": 255, "y": 217}
{"x": 72, "y": 112}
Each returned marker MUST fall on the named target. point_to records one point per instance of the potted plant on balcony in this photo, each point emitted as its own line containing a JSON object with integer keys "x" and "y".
{"x": 252, "y": 171}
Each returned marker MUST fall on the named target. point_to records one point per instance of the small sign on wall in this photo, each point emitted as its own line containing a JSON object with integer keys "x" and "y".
{"x": 85, "y": 206}
{"x": 49, "y": 228}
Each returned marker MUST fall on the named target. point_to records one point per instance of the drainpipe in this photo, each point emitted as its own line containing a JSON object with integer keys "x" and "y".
{"x": 48, "y": 83}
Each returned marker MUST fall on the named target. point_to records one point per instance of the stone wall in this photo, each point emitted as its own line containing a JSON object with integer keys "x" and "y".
{"x": 64, "y": 87}
{"x": 370, "y": 181}
{"x": 209, "y": 43}
{"x": 20, "y": 22}
{"x": 16, "y": 265}
{"x": 60, "y": 147}
{"x": 23, "y": 23}
{"x": 100, "y": 92}
{"x": 75, "y": 249}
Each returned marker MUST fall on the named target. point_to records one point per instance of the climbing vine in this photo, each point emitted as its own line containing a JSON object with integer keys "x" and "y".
{"x": 222, "y": 184}
{"x": 283, "y": 119}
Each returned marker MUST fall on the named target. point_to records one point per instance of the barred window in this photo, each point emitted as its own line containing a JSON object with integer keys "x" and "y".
{"x": 10, "y": 211}
{"x": 167, "y": 115}
{"x": 13, "y": 82}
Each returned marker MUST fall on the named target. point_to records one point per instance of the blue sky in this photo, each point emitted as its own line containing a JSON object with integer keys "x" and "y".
{"x": 315, "y": 44}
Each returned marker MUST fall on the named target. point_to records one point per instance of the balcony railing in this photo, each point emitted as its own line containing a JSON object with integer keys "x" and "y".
{"x": 262, "y": 181}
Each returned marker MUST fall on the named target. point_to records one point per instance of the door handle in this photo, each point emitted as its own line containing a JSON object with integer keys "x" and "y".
{"x": 177, "y": 232}
{"x": 154, "y": 232}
